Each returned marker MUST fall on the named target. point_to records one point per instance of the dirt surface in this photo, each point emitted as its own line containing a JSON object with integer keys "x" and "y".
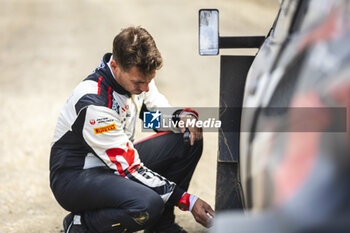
{"x": 47, "y": 47}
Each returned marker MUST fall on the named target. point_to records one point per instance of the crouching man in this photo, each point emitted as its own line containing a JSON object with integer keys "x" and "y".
{"x": 107, "y": 182}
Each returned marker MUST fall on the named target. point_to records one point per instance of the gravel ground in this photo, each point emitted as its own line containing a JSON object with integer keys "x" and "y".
{"x": 48, "y": 47}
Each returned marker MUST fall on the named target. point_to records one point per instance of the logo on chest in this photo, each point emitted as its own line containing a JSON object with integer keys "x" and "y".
{"x": 115, "y": 106}
{"x": 105, "y": 129}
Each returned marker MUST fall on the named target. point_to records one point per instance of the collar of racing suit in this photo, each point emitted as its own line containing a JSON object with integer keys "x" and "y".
{"x": 107, "y": 73}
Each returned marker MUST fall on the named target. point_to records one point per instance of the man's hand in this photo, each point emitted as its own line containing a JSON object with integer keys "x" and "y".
{"x": 196, "y": 133}
{"x": 203, "y": 213}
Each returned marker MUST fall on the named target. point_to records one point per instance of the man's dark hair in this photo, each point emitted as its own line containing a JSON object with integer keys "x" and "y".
{"x": 134, "y": 46}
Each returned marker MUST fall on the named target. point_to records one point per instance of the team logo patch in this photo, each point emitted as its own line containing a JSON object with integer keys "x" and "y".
{"x": 151, "y": 120}
{"x": 105, "y": 129}
{"x": 115, "y": 105}
{"x": 141, "y": 218}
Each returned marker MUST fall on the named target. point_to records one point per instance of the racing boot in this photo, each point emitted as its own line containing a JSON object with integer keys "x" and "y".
{"x": 72, "y": 224}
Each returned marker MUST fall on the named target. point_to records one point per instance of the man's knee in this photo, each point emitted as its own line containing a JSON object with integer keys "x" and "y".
{"x": 141, "y": 212}
{"x": 149, "y": 211}
{"x": 196, "y": 150}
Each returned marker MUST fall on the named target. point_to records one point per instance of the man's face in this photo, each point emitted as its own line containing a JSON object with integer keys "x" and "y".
{"x": 133, "y": 80}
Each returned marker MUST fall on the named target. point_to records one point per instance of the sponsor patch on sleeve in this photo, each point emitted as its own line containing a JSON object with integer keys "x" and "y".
{"x": 105, "y": 129}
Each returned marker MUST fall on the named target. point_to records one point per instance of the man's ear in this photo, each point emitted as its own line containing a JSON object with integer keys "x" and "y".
{"x": 114, "y": 64}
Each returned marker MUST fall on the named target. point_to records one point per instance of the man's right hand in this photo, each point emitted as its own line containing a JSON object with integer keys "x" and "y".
{"x": 203, "y": 213}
